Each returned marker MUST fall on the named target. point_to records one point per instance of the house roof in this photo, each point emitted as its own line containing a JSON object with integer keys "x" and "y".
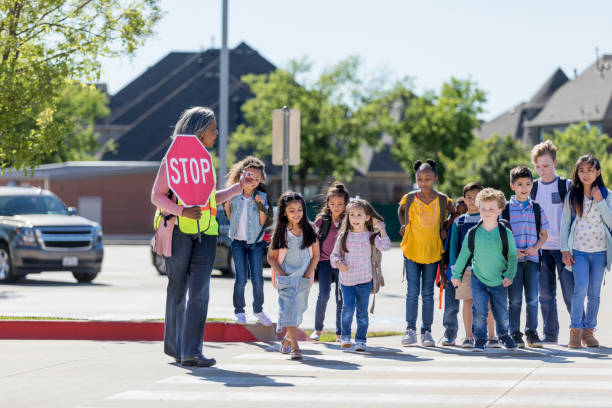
{"x": 152, "y": 103}
{"x": 586, "y": 98}
{"x": 508, "y": 123}
{"x": 512, "y": 121}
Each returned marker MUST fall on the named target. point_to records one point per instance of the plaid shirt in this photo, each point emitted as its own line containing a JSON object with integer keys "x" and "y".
{"x": 358, "y": 258}
{"x": 522, "y": 220}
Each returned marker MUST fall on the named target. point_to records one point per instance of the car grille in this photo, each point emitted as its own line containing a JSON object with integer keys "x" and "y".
{"x": 64, "y": 238}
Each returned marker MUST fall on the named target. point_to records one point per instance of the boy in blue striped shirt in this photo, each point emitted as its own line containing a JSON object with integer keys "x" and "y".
{"x": 529, "y": 228}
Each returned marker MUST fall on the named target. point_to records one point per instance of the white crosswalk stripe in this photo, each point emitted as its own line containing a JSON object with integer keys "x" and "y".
{"x": 430, "y": 378}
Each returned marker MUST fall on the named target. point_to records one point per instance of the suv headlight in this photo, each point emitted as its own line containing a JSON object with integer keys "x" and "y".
{"x": 26, "y": 237}
{"x": 97, "y": 234}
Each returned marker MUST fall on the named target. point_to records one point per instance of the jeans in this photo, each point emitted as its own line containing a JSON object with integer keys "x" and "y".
{"x": 420, "y": 277}
{"x": 327, "y": 275}
{"x": 358, "y": 297}
{"x": 451, "y": 309}
{"x": 551, "y": 260}
{"x": 588, "y": 275}
{"x": 248, "y": 258}
{"x": 498, "y": 297}
{"x": 188, "y": 271}
{"x": 526, "y": 278}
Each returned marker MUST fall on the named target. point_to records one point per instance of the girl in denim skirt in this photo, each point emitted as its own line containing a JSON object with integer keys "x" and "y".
{"x": 293, "y": 256}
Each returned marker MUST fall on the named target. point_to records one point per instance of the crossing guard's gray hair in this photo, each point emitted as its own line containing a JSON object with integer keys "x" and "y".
{"x": 194, "y": 121}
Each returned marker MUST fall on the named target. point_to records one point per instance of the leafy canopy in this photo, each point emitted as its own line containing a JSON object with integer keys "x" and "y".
{"x": 45, "y": 45}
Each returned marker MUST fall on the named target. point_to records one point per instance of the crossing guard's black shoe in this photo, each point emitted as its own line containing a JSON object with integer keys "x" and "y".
{"x": 198, "y": 361}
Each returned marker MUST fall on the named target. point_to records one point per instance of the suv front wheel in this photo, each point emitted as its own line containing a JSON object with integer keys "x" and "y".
{"x": 85, "y": 277}
{"x": 6, "y": 269}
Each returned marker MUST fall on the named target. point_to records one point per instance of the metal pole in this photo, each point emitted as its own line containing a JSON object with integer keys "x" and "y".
{"x": 285, "y": 185}
{"x": 223, "y": 96}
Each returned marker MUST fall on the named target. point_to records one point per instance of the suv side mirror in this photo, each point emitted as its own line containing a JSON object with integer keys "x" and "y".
{"x": 72, "y": 211}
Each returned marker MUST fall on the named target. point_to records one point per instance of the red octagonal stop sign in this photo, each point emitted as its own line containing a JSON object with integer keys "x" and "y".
{"x": 189, "y": 168}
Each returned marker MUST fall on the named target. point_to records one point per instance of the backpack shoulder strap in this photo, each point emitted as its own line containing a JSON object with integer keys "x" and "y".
{"x": 325, "y": 227}
{"x": 443, "y": 199}
{"x": 506, "y": 212}
{"x": 472, "y": 237}
{"x": 537, "y": 212}
{"x": 409, "y": 200}
{"x": 503, "y": 234}
{"x": 562, "y": 187}
{"x": 534, "y": 190}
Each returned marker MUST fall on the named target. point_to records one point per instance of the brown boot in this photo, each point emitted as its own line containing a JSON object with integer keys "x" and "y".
{"x": 574, "y": 339}
{"x": 588, "y": 339}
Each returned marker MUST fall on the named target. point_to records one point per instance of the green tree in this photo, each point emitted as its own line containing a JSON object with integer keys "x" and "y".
{"x": 577, "y": 140}
{"x": 484, "y": 161}
{"x": 336, "y": 117}
{"x": 44, "y": 46}
{"x": 437, "y": 126}
{"x": 80, "y": 106}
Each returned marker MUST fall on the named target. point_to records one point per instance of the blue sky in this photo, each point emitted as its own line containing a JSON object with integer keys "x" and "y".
{"x": 508, "y": 47}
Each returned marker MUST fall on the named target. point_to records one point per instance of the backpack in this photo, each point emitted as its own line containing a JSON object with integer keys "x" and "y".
{"x": 443, "y": 199}
{"x": 561, "y": 186}
{"x": 537, "y": 212}
{"x": 326, "y": 222}
{"x": 503, "y": 226}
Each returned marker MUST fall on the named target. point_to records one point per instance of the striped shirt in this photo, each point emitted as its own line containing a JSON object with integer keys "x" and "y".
{"x": 359, "y": 256}
{"x": 522, "y": 220}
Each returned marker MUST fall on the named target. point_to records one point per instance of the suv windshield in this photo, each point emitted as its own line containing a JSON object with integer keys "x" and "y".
{"x": 35, "y": 204}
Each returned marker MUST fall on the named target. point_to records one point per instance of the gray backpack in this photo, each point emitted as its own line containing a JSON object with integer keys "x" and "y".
{"x": 378, "y": 279}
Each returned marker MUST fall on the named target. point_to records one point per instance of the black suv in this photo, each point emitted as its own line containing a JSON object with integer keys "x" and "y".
{"x": 38, "y": 233}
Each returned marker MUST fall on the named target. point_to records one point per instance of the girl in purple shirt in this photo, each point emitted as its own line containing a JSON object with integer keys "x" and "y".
{"x": 328, "y": 223}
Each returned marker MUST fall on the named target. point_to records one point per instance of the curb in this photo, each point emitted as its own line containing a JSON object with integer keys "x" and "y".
{"x": 129, "y": 331}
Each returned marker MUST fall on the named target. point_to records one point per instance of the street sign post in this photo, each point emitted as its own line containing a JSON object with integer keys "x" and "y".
{"x": 190, "y": 173}
{"x": 285, "y": 141}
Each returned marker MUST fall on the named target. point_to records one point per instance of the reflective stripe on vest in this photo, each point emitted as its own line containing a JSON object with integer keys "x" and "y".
{"x": 208, "y": 220}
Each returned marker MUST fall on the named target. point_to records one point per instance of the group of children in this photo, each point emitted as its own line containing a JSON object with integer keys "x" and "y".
{"x": 485, "y": 251}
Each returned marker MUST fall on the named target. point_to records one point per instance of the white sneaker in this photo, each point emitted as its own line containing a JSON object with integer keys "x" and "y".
{"x": 263, "y": 319}
{"x": 360, "y": 346}
{"x": 315, "y": 336}
{"x": 241, "y": 318}
{"x": 346, "y": 344}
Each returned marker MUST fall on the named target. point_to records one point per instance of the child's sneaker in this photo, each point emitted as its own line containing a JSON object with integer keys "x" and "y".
{"x": 518, "y": 339}
{"x": 263, "y": 319}
{"x": 447, "y": 342}
{"x": 480, "y": 345}
{"x": 493, "y": 342}
{"x": 360, "y": 346}
{"x": 427, "y": 340}
{"x": 508, "y": 342}
{"x": 468, "y": 342}
{"x": 315, "y": 336}
{"x": 346, "y": 343}
{"x": 533, "y": 340}
{"x": 241, "y": 318}
{"x": 410, "y": 338}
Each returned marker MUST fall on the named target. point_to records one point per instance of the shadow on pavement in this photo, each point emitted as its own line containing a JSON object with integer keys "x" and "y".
{"x": 235, "y": 378}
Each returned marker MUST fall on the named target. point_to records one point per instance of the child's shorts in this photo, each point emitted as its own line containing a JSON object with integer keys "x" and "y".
{"x": 464, "y": 290}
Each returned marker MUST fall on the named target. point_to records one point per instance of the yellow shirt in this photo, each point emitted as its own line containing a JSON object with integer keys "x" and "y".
{"x": 421, "y": 242}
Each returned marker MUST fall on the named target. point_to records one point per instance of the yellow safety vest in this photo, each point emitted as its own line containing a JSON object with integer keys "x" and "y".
{"x": 207, "y": 223}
